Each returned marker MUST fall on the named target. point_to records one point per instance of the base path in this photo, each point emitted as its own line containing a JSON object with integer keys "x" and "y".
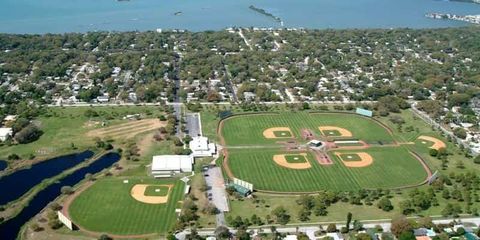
{"x": 437, "y": 144}
{"x": 322, "y": 158}
{"x": 138, "y": 192}
{"x": 270, "y": 132}
{"x": 343, "y": 132}
{"x": 365, "y": 161}
{"x": 282, "y": 161}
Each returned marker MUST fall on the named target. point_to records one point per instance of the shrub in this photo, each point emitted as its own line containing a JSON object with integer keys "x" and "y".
{"x": 28, "y": 134}
{"x": 331, "y": 228}
{"x": 67, "y": 190}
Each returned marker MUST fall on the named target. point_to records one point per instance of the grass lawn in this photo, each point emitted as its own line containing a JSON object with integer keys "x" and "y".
{"x": 156, "y": 190}
{"x": 63, "y": 126}
{"x": 108, "y": 207}
{"x": 248, "y": 129}
{"x": 295, "y": 158}
{"x": 350, "y": 157}
{"x": 392, "y": 167}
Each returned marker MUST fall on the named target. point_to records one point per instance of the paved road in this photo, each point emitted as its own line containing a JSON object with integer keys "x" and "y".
{"x": 292, "y": 228}
{"x": 193, "y": 124}
{"x": 216, "y": 193}
{"x": 433, "y": 123}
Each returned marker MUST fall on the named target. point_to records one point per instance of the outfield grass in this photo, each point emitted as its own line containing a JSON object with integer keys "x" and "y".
{"x": 248, "y": 129}
{"x": 392, "y": 167}
{"x": 108, "y": 207}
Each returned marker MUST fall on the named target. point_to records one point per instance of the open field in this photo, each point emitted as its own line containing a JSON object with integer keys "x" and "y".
{"x": 393, "y": 167}
{"x": 248, "y": 129}
{"x": 63, "y": 126}
{"x": 108, "y": 207}
{"x": 126, "y": 130}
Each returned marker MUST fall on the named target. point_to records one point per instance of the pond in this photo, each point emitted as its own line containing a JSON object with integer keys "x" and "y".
{"x": 10, "y": 229}
{"x": 16, "y": 184}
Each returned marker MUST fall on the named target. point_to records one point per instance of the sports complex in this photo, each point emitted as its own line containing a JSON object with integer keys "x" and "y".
{"x": 310, "y": 152}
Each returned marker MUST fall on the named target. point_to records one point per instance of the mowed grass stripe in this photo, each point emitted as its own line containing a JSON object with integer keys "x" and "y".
{"x": 121, "y": 214}
{"x": 248, "y": 129}
{"x": 392, "y": 167}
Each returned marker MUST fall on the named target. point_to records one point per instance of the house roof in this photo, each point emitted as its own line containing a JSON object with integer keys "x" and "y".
{"x": 171, "y": 162}
{"x": 5, "y": 132}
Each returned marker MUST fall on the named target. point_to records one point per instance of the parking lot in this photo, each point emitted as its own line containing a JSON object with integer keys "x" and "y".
{"x": 216, "y": 192}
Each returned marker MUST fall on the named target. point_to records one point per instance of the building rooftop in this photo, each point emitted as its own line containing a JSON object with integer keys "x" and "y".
{"x": 171, "y": 162}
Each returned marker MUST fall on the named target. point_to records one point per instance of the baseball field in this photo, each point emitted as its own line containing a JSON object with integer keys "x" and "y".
{"x": 270, "y": 151}
{"x": 123, "y": 206}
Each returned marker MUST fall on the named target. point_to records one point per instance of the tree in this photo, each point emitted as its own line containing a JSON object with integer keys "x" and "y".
{"x": 222, "y": 232}
{"x": 407, "y": 235}
{"x": 13, "y": 157}
{"x": 357, "y": 225}
{"x": 363, "y": 236}
{"x": 385, "y": 204}
{"x": 67, "y": 190}
{"x": 349, "y": 220}
{"x": 433, "y": 152}
{"x": 331, "y": 228}
{"x": 242, "y": 234}
{"x": 104, "y": 237}
{"x": 28, "y": 134}
{"x": 400, "y": 225}
{"x": 460, "y": 133}
{"x": 477, "y": 159}
{"x": 281, "y": 215}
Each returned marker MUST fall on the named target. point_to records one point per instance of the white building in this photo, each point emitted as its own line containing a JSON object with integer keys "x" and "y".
{"x": 169, "y": 165}
{"x": 5, "y": 133}
{"x": 201, "y": 147}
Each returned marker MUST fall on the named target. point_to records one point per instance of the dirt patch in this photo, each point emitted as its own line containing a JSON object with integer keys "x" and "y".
{"x": 322, "y": 158}
{"x": 127, "y": 130}
{"x": 282, "y": 161}
{"x": 307, "y": 134}
{"x": 437, "y": 144}
{"x": 138, "y": 193}
{"x": 342, "y": 131}
{"x": 270, "y": 132}
{"x": 366, "y": 159}
{"x": 145, "y": 143}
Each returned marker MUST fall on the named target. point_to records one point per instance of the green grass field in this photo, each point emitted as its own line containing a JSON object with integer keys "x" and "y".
{"x": 248, "y": 129}
{"x": 108, "y": 207}
{"x": 392, "y": 167}
{"x": 282, "y": 134}
{"x": 350, "y": 157}
{"x": 64, "y": 126}
{"x": 156, "y": 190}
{"x": 295, "y": 159}
{"x": 331, "y": 133}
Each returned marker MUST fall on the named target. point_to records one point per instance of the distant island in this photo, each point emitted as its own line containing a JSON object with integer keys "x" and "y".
{"x": 474, "y": 19}
{"x": 467, "y": 1}
{"x": 262, "y": 11}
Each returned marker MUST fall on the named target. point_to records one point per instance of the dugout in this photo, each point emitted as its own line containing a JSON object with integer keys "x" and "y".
{"x": 243, "y": 191}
